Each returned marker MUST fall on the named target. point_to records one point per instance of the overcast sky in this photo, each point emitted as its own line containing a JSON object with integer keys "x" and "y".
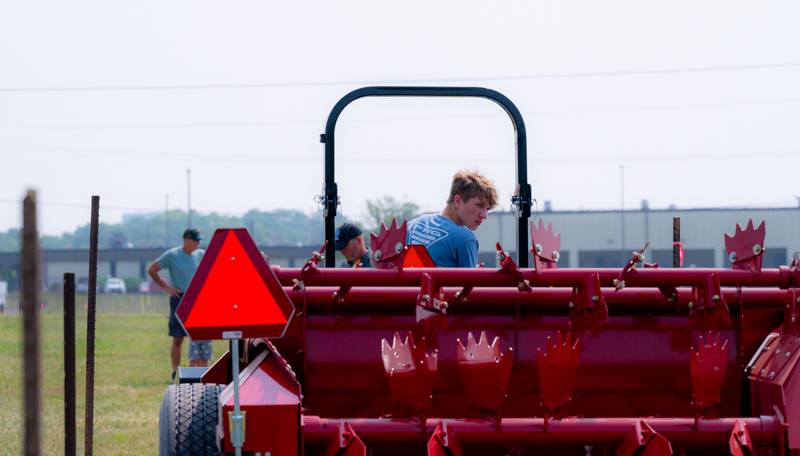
{"x": 699, "y": 101}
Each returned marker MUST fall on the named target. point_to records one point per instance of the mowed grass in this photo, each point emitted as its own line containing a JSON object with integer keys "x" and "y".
{"x": 132, "y": 370}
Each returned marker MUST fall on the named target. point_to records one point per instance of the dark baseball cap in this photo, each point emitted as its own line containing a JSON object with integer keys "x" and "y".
{"x": 344, "y": 234}
{"x": 193, "y": 234}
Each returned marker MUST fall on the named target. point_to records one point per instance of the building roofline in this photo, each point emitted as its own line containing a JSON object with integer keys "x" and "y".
{"x": 665, "y": 210}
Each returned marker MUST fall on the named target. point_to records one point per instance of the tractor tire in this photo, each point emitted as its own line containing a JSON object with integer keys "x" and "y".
{"x": 188, "y": 420}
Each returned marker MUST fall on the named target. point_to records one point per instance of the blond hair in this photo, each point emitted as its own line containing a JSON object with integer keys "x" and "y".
{"x": 470, "y": 184}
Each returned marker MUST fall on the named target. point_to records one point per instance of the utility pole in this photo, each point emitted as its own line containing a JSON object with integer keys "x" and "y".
{"x": 189, "y": 195}
{"x": 622, "y": 210}
{"x": 166, "y": 220}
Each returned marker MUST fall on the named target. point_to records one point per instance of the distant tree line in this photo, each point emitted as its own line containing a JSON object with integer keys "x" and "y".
{"x": 269, "y": 228}
{"x": 280, "y": 227}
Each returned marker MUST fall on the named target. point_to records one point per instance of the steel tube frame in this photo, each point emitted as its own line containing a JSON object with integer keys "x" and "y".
{"x": 763, "y": 430}
{"x": 506, "y": 299}
{"x": 783, "y": 277}
{"x": 521, "y": 200}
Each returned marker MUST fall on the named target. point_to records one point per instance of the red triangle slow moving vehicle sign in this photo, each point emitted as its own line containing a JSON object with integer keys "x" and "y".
{"x": 234, "y": 289}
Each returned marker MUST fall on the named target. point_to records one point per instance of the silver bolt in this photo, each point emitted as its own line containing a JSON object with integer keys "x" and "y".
{"x": 595, "y": 298}
{"x": 398, "y": 247}
{"x": 377, "y": 255}
{"x": 426, "y": 297}
{"x": 757, "y": 248}
{"x": 772, "y": 375}
{"x": 691, "y": 304}
{"x": 715, "y": 298}
{"x": 787, "y": 354}
{"x": 538, "y": 248}
{"x": 571, "y": 305}
{"x": 556, "y": 256}
{"x": 615, "y": 282}
{"x": 732, "y": 257}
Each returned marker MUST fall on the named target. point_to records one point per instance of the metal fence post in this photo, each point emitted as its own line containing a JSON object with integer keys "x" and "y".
{"x": 69, "y": 364}
{"x": 31, "y": 297}
{"x": 90, "y": 326}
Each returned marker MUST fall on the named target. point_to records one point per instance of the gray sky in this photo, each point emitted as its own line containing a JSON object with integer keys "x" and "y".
{"x": 698, "y": 100}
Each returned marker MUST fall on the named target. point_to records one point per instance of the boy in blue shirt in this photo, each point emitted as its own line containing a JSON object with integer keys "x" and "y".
{"x": 449, "y": 236}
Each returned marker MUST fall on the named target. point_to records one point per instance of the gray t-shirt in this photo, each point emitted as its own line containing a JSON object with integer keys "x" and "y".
{"x": 181, "y": 265}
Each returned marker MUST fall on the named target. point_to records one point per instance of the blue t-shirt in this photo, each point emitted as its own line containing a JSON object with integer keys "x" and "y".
{"x": 181, "y": 265}
{"x": 449, "y": 245}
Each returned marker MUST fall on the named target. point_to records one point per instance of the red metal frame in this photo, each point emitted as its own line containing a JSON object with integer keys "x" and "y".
{"x": 645, "y": 361}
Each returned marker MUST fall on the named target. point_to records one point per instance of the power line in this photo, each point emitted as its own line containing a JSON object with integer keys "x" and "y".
{"x": 287, "y": 84}
{"x": 533, "y": 158}
{"x": 82, "y": 206}
{"x": 284, "y": 122}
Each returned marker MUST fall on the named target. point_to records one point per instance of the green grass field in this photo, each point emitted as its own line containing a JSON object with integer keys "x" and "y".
{"x": 131, "y": 372}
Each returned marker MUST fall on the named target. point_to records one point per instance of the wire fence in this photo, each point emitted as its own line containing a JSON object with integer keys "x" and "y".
{"x": 109, "y": 303}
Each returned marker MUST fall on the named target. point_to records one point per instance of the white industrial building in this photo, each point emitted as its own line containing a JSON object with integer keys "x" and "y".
{"x": 606, "y": 238}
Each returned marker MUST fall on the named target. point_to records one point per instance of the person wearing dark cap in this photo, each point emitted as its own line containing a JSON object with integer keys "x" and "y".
{"x": 350, "y": 241}
{"x": 181, "y": 262}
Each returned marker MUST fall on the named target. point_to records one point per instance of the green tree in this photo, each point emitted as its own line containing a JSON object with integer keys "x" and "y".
{"x": 384, "y": 209}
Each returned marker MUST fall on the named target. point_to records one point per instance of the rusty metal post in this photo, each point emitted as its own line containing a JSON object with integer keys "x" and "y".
{"x": 90, "y": 325}
{"x": 676, "y": 239}
{"x": 69, "y": 364}
{"x": 31, "y": 332}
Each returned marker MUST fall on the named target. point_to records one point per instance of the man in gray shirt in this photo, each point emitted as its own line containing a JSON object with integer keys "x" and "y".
{"x": 181, "y": 262}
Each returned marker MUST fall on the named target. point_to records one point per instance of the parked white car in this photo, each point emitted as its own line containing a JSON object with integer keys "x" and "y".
{"x": 115, "y": 285}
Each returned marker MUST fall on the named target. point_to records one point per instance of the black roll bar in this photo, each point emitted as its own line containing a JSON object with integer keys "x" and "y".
{"x": 522, "y": 195}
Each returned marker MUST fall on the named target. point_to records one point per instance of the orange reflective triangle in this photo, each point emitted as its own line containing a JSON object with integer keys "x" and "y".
{"x": 234, "y": 289}
{"x": 417, "y": 256}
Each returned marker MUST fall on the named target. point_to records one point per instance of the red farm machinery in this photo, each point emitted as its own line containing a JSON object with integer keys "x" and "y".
{"x": 524, "y": 358}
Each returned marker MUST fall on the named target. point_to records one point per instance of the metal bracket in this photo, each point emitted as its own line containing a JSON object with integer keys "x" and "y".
{"x": 522, "y": 200}
{"x": 508, "y": 266}
{"x": 462, "y": 295}
{"x": 707, "y": 364}
{"x": 430, "y": 311}
{"x": 636, "y": 257}
{"x": 707, "y": 303}
{"x": 791, "y": 316}
{"x": 485, "y": 371}
{"x": 588, "y": 307}
{"x": 411, "y": 372}
{"x": 312, "y": 265}
{"x": 740, "y": 442}
{"x": 670, "y": 293}
{"x": 431, "y": 296}
{"x": 444, "y": 441}
{"x": 338, "y": 295}
{"x": 346, "y": 443}
{"x": 642, "y": 440}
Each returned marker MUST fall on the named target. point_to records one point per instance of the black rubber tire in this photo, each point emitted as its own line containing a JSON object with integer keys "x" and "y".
{"x": 187, "y": 423}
